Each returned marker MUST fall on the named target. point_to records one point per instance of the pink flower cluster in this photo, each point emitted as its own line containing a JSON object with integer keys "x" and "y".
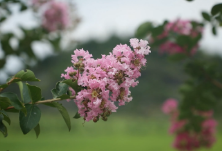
{"x": 106, "y": 80}
{"x": 189, "y": 140}
{"x": 175, "y": 28}
{"x": 56, "y": 16}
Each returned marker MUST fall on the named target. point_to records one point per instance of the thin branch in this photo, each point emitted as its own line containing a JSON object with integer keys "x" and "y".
{"x": 8, "y": 83}
{"x": 216, "y": 83}
{"x": 52, "y": 100}
{"x": 45, "y": 101}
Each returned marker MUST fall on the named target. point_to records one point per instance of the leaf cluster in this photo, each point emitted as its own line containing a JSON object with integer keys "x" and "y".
{"x": 214, "y": 17}
{"x": 27, "y": 106}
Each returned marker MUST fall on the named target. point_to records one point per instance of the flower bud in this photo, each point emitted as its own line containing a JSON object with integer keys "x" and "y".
{"x": 102, "y": 104}
{"x": 72, "y": 73}
{"x": 104, "y": 118}
{"x": 81, "y": 69}
{"x": 122, "y": 93}
{"x": 99, "y": 96}
{"x": 95, "y": 119}
{"x": 82, "y": 65}
{"x": 77, "y": 65}
{"x": 136, "y": 62}
{"x": 85, "y": 102}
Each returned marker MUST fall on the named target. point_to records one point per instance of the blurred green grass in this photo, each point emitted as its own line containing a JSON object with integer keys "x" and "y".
{"x": 119, "y": 133}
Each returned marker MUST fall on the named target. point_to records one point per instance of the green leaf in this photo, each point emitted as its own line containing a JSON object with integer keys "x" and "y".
{"x": 2, "y": 63}
{"x": 4, "y": 86}
{"x": 26, "y": 76}
{"x": 2, "y": 19}
{"x": 77, "y": 115}
{"x": 31, "y": 120}
{"x": 26, "y": 94}
{"x": 185, "y": 114}
{"x": 7, "y": 119}
{"x": 60, "y": 91}
{"x": 157, "y": 42}
{"x": 63, "y": 112}
{"x": 73, "y": 85}
{"x": 13, "y": 110}
{"x": 157, "y": 31}
{"x": 14, "y": 101}
{"x": 3, "y": 112}
{"x": 56, "y": 43}
{"x": 199, "y": 105}
{"x": 3, "y": 128}
{"x": 37, "y": 130}
{"x": 206, "y": 16}
{"x": 23, "y": 7}
{"x": 35, "y": 93}
{"x": 22, "y": 76}
{"x": 196, "y": 122}
{"x": 214, "y": 31}
{"x": 24, "y": 91}
{"x": 4, "y": 102}
{"x": 185, "y": 41}
{"x": 20, "y": 84}
{"x": 216, "y": 9}
{"x": 144, "y": 29}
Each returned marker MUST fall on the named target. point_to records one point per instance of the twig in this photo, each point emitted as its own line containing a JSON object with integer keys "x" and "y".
{"x": 52, "y": 100}
{"x": 8, "y": 83}
{"x": 45, "y": 101}
{"x": 216, "y": 83}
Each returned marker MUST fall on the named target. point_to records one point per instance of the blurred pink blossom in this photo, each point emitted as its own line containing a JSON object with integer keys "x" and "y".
{"x": 208, "y": 132}
{"x": 177, "y": 28}
{"x": 186, "y": 142}
{"x": 56, "y": 16}
{"x": 169, "y": 106}
{"x": 176, "y": 126}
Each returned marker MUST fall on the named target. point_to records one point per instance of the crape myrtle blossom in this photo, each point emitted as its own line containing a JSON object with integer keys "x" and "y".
{"x": 177, "y": 28}
{"x": 106, "y": 81}
{"x": 169, "y": 106}
{"x": 186, "y": 140}
{"x": 56, "y": 16}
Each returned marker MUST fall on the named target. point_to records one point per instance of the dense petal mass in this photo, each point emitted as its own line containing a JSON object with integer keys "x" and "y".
{"x": 107, "y": 80}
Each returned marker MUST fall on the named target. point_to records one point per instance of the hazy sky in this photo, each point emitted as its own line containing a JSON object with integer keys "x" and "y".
{"x": 100, "y": 17}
